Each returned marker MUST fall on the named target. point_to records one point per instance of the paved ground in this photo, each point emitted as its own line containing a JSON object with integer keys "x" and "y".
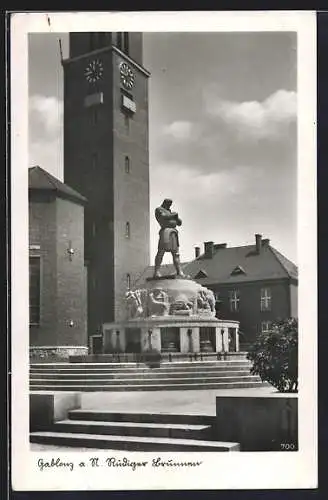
{"x": 189, "y": 402}
{"x": 200, "y": 402}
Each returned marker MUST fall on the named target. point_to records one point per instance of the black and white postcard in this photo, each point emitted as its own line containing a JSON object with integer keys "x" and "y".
{"x": 163, "y": 250}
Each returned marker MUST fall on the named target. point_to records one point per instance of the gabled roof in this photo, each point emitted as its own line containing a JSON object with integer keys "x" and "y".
{"x": 39, "y": 179}
{"x": 267, "y": 265}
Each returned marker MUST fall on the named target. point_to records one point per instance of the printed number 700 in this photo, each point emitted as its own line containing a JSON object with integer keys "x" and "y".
{"x": 287, "y": 446}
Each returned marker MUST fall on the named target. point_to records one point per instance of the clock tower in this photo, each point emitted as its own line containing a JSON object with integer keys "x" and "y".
{"x": 106, "y": 159}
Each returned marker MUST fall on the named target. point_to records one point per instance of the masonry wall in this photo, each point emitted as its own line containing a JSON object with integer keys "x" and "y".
{"x": 88, "y": 168}
{"x": 293, "y": 300}
{"x": 42, "y": 233}
{"x": 71, "y": 286}
{"x": 131, "y": 190}
{"x": 54, "y": 223}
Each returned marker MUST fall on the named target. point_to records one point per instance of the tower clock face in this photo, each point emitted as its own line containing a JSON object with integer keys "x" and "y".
{"x": 127, "y": 76}
{"x": 94, "y": 71}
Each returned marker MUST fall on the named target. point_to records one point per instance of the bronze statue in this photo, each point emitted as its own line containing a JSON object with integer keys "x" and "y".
{"x": 168, "y": 236}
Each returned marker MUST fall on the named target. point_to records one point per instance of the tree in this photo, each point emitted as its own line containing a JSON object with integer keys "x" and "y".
{"x": 275, "y": 355}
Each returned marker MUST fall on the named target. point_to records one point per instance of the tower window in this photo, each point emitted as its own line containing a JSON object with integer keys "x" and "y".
{"x": 35, "y": 289}
{"x": 127, "y": 164}
{"x": 94, "y": 161}
{"x": 126, "y": 43}
{"x": 127, "y": 230}
{"x": 128, "y": 281}
{"x": 126, "y": 123}
{"x": 94, "y": 116}
{"x": 119, "y": 40}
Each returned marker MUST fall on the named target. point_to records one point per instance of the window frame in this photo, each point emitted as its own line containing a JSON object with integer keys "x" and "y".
{"x": 127, "y": 230}
{"x": 128, "y": 281}
{"x": 268, "y": 326}
{"x": 265, "y": 301}
{"x": 127, "y": 164}
{"x": 236, "y": 301}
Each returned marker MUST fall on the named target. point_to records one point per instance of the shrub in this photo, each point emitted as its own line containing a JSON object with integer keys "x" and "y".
{"x": 275, "y": 355}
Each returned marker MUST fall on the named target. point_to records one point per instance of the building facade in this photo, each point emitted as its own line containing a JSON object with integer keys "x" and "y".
{"x": 253, "y": 284}
{"x": 106, "y": 159}
{"x": 57, "y": 284}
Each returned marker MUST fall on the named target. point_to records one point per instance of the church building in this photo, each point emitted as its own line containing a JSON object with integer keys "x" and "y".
{"x": 106, "y": 159}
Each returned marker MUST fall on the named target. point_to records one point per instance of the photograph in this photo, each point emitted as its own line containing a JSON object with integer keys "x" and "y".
{"x": 164, "y": 202}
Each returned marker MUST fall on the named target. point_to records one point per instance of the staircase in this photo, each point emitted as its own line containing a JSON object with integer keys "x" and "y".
{"x": 133, "y": 432}
{"x": 177, "y": 375}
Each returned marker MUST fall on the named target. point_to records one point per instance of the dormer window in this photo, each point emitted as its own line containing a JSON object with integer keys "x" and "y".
{"x": 201, "y": 274}
{"x": 237, "y": 270}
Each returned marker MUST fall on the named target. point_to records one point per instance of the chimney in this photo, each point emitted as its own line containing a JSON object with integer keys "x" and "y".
{"x": 197, "y": 252}
{"x": 219, "y": 246}
{"x": 258, "y": 241}
{"x": 208, "y": 249}
{"x": 265, "y": 242}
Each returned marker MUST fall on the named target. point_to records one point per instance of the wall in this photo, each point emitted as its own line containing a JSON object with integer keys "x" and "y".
{"x": 293, "y": 290}
{"x": 53, "y": 223}
{"x": 42, "y": 232}
{"x": 71, "y": 290}
{"x": 131, "y": 190}
{"x": 88, "y": 168}
{"x": 250, "y": 314}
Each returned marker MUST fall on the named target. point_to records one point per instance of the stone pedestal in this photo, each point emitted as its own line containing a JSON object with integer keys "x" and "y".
{"x": 48, "y": 407}
{"x": 169, "y": 314}
{"x": 267, "y": 422}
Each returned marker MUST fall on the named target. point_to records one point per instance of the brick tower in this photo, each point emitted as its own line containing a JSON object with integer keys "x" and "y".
{"x": 106, "y": 159}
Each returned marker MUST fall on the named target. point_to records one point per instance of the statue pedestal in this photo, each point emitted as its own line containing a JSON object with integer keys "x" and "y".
{"x": 170, "y": 314}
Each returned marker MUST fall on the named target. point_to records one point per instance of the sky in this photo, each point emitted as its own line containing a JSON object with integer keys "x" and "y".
{"x": 222, "y": 132}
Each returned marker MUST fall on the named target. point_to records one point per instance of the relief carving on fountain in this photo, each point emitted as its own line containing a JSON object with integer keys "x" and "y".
{"x": 158, "y": 302}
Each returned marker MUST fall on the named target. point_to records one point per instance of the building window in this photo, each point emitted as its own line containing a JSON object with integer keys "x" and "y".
{"x": 265, "y": 299}
{"x": 234, "y": 299}
{"x": 94, "y": 117}
{"x": 94, "y": 161}
{"x": 127, "y": 230}
{"x": 119, "y": 40}
{"x": 126, "y": 43}
{"x": 128, "y": 281}
{"x": 126, "y": 123}
{"x": 265, "y": 326}
{"x": 127, "y": 164}
{"x": 34, "y": 286}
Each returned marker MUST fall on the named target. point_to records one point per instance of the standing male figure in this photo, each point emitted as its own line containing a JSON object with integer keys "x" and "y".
{"x": 168, "y": 236}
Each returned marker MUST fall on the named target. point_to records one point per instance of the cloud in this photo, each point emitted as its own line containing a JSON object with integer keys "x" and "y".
{"x": 46, "y": 112}
{"x": 180, "y": 130}
{"x": 255, "y": 119}
{"x": 45, "y": 133}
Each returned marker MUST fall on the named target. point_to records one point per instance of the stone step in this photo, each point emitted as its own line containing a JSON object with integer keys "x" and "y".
{"x": 177, "y": 431}
{"x": 139, "y": 375}
{"x": 107, "y": 368}
{"x": 144, "y": 417}
{"x": 145, "y": 387}
{"x": 142, "y": 381}
{"x": 129, "y": 443}
{"x": 173, "y": 364}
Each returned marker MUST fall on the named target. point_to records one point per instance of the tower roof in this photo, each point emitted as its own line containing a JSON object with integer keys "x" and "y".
{"x": 40, "y": 180}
